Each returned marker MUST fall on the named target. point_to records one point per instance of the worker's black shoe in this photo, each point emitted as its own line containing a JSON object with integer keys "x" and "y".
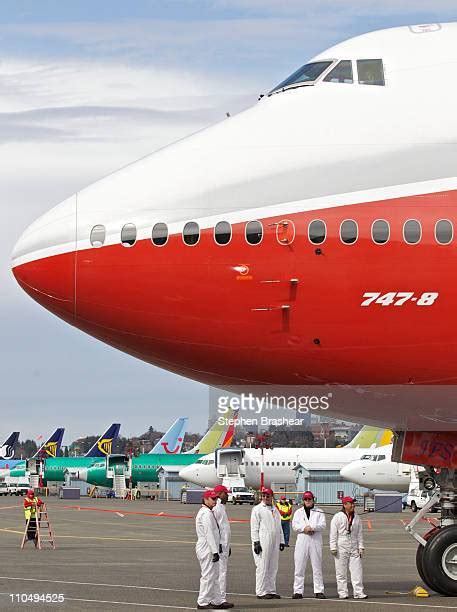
{"x": 267, "y": 596}
{"x": 275, "y": 596}
{"x": 297, "y": 596}
{"x": 223, "y": 606}
{"x": 319, "y": 596}
{"x": 286, "y": 545}
{"x": 205, "y": 607}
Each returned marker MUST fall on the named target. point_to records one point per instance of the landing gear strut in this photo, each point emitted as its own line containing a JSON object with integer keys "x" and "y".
{"x": 436, "y": 557}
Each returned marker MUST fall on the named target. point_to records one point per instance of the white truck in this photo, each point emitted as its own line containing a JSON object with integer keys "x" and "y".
{"x": 241, "y": 495}
{"x": 16, "y": 488}
{"x": 417, "y": 499}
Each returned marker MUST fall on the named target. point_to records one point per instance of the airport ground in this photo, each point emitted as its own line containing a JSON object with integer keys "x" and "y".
{"x": 114, "y": 554}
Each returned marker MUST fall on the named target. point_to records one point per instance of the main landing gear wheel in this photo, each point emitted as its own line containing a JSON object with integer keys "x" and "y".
{"x": 419, "y": 554}
{"x": 439, "y": 561}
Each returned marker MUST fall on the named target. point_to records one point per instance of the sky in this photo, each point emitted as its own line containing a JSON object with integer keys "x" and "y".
{"x": 87, "y": 87}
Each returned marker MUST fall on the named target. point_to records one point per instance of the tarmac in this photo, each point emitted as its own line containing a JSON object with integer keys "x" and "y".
{"x": 112, "y": 554}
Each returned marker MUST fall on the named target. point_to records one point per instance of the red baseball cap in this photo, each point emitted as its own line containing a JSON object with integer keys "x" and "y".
{"x": 267, "y": 492}
{"x": 209, "y": 493}
{"x": 30, "y": 492}
{"x": 308, "y": 495}
{"x": 348, "y": 499}
{"x": 221, "y": 489}
{"x": 283, "y": 497}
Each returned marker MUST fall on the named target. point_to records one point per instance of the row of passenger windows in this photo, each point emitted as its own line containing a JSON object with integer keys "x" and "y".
{"x": 317, "y": 232}
{"x": 273, "y": 463}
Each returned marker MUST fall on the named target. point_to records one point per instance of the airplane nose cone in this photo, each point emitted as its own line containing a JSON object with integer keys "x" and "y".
{"x": 186, "y": 473}
{"x": 82, "y": 474}
{"x": 348, "y": 472}
{"x": 43, "y": 259}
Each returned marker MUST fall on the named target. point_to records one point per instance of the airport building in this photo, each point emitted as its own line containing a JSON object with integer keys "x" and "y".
{"x": 327, "y": 484}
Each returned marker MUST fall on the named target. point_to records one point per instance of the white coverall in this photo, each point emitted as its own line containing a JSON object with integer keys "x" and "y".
{"x": 347, "y": 542}
{"x": 224, "y": 527}
{"x": 308, "y": 546}
{"x": 266, "y": 529}
{"x": 208, "y": 540}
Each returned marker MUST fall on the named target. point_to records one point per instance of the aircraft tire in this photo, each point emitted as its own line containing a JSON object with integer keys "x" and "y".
{"x": 439, "y": 561}
{"x": 419, "y": 554}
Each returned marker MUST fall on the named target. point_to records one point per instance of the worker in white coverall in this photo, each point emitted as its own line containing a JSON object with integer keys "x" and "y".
{"x": 346, "y": 545}
{"x": 267, "y": 540}
{"x": 224, "y": 527}
{"x": 309, "y": 523}
{"x": 208, "y": 550}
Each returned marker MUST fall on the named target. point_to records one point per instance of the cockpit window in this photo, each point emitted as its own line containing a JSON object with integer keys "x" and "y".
{"x": 371, "y": 72}
{"x": 342, "y": 73}
{"x": 306, "y": 75}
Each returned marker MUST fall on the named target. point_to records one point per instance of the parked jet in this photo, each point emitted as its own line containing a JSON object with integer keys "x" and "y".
{"x": 56, "y": 466}
{"x": 279, "y": 463}
{"x": 309, "y": 240}
{"x": 145, "y": 467}
{"x": 375, "y": 470}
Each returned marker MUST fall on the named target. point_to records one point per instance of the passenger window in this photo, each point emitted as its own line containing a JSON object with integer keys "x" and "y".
{"x": 223, "y": 232}
{"x": 444, "y": 231}
{"x": 254, "y": 232}
{"x": 371, "y": 72}
{"x": 191, "y": 233}
{"x": 412, "y": 231}
{"x": 317, "y": 232}
{"x": 348, "y": 231}
{"x": 342, "y": 73}
{"x": 380, "y": 231}
{"x": 128, "y": 234}
{"x": 159, "y": 235}
{"x": 97, "y": 235}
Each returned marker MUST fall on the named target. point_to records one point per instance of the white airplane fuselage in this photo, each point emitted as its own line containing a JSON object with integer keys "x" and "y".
{"x": 278, "y": 464}
{"x": 377, "y": 471}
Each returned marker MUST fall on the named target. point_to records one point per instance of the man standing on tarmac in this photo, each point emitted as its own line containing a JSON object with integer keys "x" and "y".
{"x": 285, "y": 510}
{"x": 208, "y": 549}
{"x": 309, "y": 523}
{"x": 267, "y": 540}
{"x": 346, "y": 545}
{"x": 220, "y": 513}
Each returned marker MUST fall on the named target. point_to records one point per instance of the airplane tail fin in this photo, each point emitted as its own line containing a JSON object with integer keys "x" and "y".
{"x": 103, "y": 446}
{"x": 371, "y": 437}
{"x": 52, "y": 445}
{"x": 171, "y": 442}
{"x": 220, "y": 435}
{"x": 7, "y": 448}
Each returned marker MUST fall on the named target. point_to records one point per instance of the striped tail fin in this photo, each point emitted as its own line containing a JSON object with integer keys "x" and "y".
{"x": 218, "y": 436}
{"x": 371, "y": 437}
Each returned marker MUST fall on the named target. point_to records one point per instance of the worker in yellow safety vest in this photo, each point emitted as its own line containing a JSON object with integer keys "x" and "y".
{"x": 285, "y": 510}
{"x": 31, "y": 503}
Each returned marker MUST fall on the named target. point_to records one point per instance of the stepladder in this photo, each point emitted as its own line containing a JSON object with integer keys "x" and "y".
{"x": 38, "y": 529}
